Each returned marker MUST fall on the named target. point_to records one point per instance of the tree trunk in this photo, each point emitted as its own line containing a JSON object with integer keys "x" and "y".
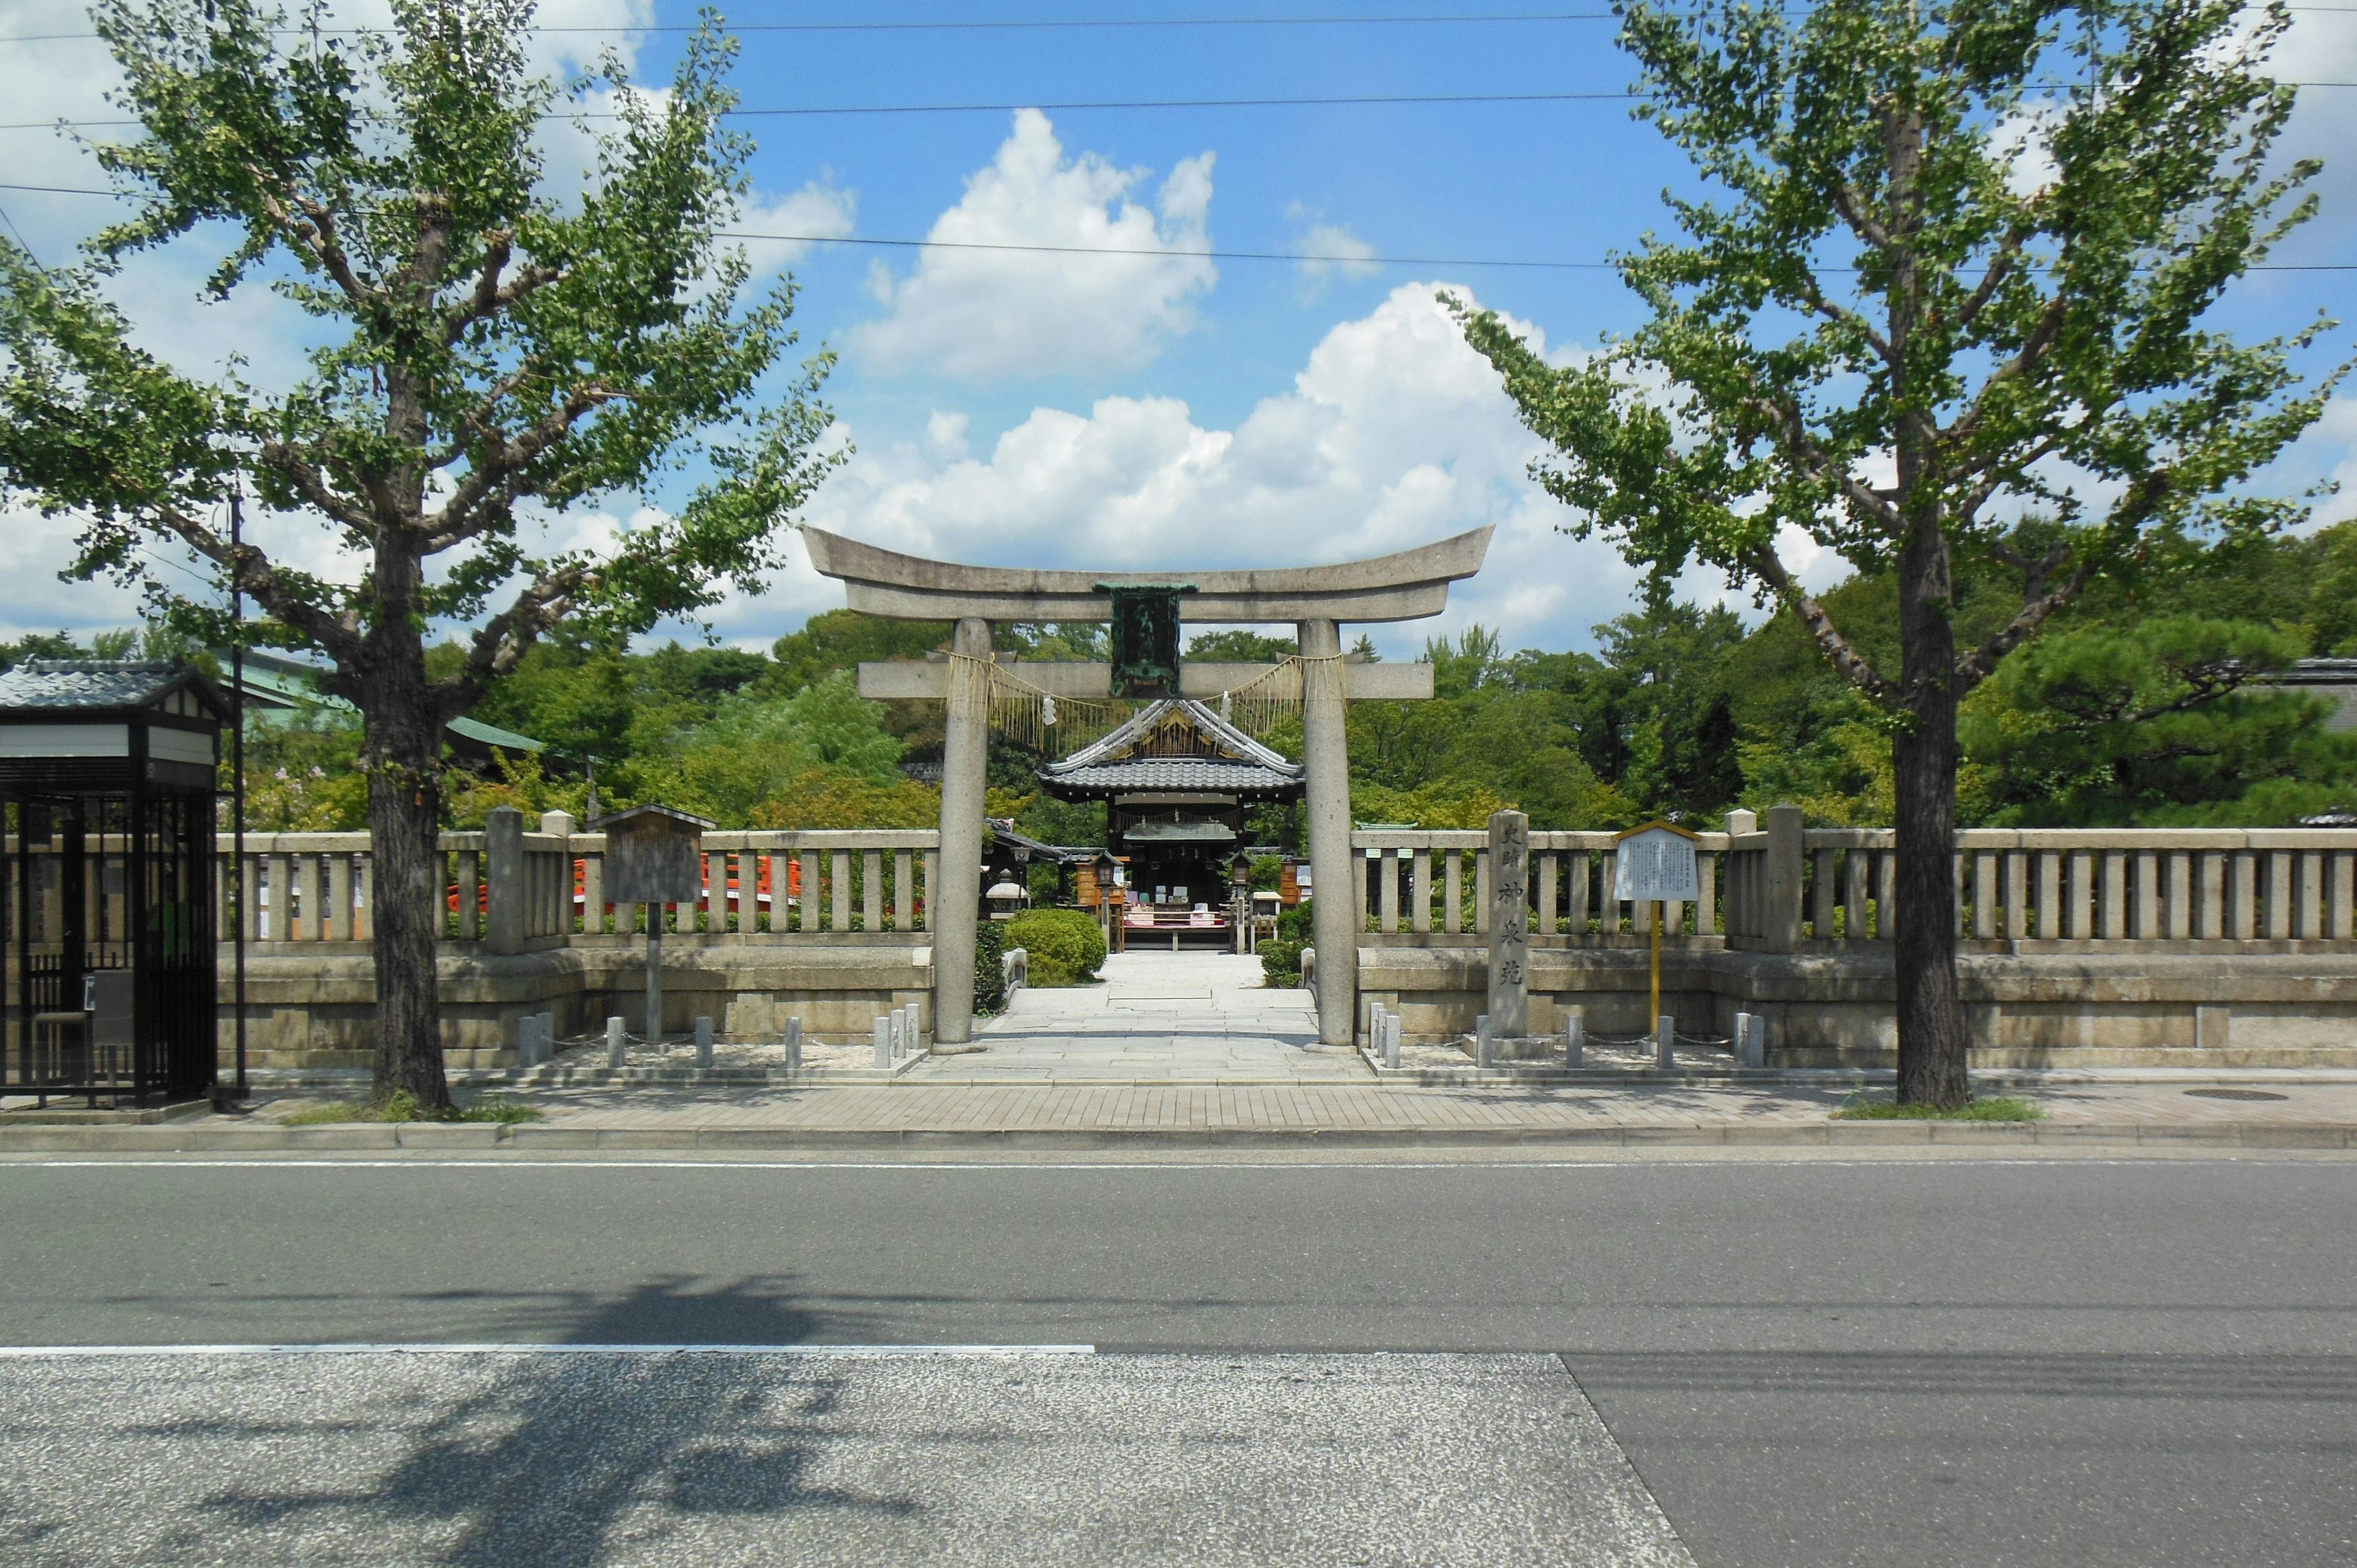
{"x": 1931, "y": 1038}
{"x": 402, "y": 756}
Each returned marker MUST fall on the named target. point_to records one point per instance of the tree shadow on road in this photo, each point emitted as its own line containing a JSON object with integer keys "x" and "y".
{"x": 552, "y": 1458}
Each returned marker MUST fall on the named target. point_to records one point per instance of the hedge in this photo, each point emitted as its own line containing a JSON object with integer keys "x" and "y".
{"x": 1064, "y": 946}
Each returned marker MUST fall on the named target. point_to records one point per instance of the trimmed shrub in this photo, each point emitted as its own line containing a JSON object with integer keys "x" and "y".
{"x": 1280, "y": 962}
{"x": 989, "y": 966}
{"x": 1065, "y": 946}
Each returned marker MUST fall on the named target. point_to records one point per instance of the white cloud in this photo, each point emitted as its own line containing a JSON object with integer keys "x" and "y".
{"x": 1334, "y": 250}
{"x": 1394, "y": 433}
{"x": 819, "y": 210}
{"x": 982, "y": 314}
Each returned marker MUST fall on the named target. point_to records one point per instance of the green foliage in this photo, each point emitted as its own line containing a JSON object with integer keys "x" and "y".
{"x": 481, "y": 343}
{"x": 1237, "y": 645}
{"x": 989, "y": 966}
{"x": 1280, "y": 961}
{"x": 1928, "y": 293}
{"x": 2154, "y": 722}
{"x": 1296, "y": 924}
{"x": 403, "y": 1106}
{"x": 1061, "y": 946}
{"x": 843, "y": 639}
{"x": 302, "y": 771}
{"x": 1995, "y": 1108}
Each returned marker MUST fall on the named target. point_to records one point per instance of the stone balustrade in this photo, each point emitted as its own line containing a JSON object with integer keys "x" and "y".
{"x": 1783, "y": 889}
{"x": 513, "y": 891}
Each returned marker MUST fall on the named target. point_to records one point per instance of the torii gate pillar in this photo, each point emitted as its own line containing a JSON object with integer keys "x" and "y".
{"x": 1335, "y": 918}
{"x": 952, "y": 907}
{"x": 1316, "y": 600}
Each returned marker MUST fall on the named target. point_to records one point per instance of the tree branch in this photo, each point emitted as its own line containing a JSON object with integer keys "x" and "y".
{"x": 1844, "y": 656}
{"x": 506, "y": 637}
{"x": 2033, "y": 348}
{"x": 1862, "y": 223}
{"x": 1784, "y": 416}
{"x": 2000, "y": 268}
{"x": 491, "y": 296}
{"x": 1979, "y": 665}
{"x": 1849, "y": 318}
{"x": 460, "y": 518}
{"x": 281, "y": 457}
{"x": 251, "y": 571}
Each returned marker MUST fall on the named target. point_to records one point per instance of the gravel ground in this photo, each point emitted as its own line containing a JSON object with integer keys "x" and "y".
{"x": 518, "y": 1460}
{"x": 1625, "y": 1058}
{"x": 681, "y": 1054}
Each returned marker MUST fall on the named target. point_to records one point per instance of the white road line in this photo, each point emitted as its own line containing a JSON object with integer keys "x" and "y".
{"x": 78, "y": 1352}
{"x": 427, "y": 1161}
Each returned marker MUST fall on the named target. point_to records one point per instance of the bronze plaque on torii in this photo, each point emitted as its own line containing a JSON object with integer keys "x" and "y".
{"x": 1145, "y": 638}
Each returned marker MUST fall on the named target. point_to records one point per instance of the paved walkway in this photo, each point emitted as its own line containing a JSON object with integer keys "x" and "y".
{"x": 1185, "y": 1018}
{"x": 2301, "y": 1116}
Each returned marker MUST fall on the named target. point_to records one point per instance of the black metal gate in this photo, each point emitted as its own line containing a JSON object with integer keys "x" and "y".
{"x": 111, "y": 921}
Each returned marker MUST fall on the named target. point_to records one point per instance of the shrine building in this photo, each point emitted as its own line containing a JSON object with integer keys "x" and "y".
{"x": 1178, "y": 781}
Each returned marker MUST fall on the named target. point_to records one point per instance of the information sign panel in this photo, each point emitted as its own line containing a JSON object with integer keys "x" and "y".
{"x": 1655, "y": 863}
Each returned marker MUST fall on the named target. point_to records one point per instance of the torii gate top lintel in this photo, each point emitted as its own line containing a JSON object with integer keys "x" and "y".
{"x": 1408, "y": 586}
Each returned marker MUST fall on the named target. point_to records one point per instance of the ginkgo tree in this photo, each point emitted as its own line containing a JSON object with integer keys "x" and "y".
{"x": 491, "y": 348}
{"x": 1943, "y": 308}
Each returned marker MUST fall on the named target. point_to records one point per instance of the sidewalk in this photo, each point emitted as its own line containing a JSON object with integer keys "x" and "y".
{"x": 2320, "y": 1116}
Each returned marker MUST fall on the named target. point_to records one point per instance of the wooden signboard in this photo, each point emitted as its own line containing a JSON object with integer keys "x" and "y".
{"x": 653, "y": 855}
{"x": 1655, "y": 864}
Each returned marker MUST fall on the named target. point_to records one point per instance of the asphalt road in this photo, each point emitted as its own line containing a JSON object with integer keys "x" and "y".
{"x": 1806, "y": 1363}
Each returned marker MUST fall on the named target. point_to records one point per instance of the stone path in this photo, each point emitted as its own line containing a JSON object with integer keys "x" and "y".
{"x": 1166, "y": 1018}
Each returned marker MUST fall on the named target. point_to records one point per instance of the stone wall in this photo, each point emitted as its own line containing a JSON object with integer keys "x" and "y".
{"x": 310, "y": 1008}
{"x": 2290, "y": 1005}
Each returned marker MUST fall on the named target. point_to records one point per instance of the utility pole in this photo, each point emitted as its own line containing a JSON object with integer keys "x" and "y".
{"x": 237, "y": 770}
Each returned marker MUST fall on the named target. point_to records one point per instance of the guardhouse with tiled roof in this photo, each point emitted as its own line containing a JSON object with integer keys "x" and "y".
{"x": 106, "y": 780}
{"x": 1177, "y": 781}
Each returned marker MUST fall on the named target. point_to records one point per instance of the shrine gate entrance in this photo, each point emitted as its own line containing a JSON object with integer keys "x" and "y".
{"x": 1145, "y": 609}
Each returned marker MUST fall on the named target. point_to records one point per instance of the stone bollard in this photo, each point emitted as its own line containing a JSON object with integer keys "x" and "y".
{"x": 617, "y": 1043}
{"x": 1755, "y": 1041}
{"x": 1574, "y": 1036}
{"x": 547, "y": 1036}
{"x": 916, "y": 1028}
{"x": 794, "y": 1044}
{"x": 1374, "y": 1024}
{"x": 1665, "y": 1041}
{"x": 1481, "y": 1047}
{"x": 528, "y": 1042}
{"x": 899, "y": 1032}
{"x": 883, "y": 1043}
{"x": 704, "y": 1042}
{"x": 1392, "y": 1040}
{"x": 1742, "y": 1040}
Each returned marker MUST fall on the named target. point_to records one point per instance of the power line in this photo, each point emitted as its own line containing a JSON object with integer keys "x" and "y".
{"x": 1213, "y": 255}
{"x": 1038, "y": 24}
{"x": 1009, "y": 108}
{"x": 22, "y": 244}
{"x": 1348, "y": 101}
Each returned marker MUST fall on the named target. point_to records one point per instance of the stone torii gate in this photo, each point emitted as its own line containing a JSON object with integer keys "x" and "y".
{"x": 1318, "y": 601}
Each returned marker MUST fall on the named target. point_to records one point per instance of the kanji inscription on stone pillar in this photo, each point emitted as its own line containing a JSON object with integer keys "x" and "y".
{"x": 1509, "y": 925}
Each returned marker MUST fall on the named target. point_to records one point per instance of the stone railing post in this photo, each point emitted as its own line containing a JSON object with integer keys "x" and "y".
{"x": 503, "y": 870}
{"x": 1780, "y": 881}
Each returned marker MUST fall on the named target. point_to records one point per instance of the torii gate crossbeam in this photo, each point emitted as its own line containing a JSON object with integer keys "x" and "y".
{"x": 1318, "y": 601}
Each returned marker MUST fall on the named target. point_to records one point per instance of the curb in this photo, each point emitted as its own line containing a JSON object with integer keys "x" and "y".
{"x": 195, "y": 1138}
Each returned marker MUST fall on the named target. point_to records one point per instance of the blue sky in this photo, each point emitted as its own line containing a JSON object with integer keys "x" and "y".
{"x": 1142, "y": 411}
